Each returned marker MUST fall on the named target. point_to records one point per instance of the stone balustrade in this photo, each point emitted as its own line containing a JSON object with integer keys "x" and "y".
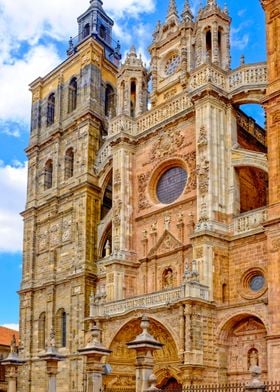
{"x": 122, "y": 123}
{"x": 104, "y": 154}
{"x": 163, "y": 112}
{"x": 208, "y": 74}
{"x": 154, "y": 300}
{"x": 249, "y": 221}
{"x": 248, "y": 76}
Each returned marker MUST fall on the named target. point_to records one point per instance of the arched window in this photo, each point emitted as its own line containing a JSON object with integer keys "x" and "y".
{"x": 209, "y": 45}
{"x": 51, "y": 109}
{"x": 42, "y": 331}
{"x": 102, "y": 32}
{"x": 61, "y": 328}
{"x": 69, "y": 163}
{"x": 72, "y": 95}
{"x": 109, "y": 101}
{"x": 86, "y": 30}
{"x": 48, "y": 174}
{"x": 132, "y": 98}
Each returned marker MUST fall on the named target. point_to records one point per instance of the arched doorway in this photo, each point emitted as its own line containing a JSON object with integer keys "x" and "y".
{"x": 122, "y": 360}
{"x": 170, "y": 385}
{"x": 242, "y": 345}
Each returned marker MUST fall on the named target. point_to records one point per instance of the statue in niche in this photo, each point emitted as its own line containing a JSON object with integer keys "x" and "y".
{"x": 168, "y": 278}
{"x": 253, "y": 358}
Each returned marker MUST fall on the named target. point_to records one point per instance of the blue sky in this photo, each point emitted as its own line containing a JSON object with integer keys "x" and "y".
{"x": 34, "y": 37}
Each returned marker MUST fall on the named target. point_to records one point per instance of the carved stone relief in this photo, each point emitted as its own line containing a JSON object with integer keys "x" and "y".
{"x": 190, "y": 158}
{"x": 143, "y": 202}
{"x": 166, "y": 145}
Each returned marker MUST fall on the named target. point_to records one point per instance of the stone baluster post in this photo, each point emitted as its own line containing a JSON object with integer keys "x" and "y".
{"x": 255, "y": 384}
{"x": 12, "y": 363}
{"x": 94, "y": 352}
{"x": 144, "y": 344}
{"x": 52, "y": 357}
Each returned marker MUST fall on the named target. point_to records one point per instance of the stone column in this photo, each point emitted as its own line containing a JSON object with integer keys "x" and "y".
{"x": 12, "y": 363}
{"x": 94, "y": 352}
{"x": 52, "y": 357}
{"x": 255, "y": 384}
{"x": 144, "y": 344}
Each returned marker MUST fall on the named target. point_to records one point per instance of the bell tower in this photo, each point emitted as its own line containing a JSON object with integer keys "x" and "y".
{"x": 132, "y": 86}
{"x": 212, "y": 39}
{"x": 171, "y": 53}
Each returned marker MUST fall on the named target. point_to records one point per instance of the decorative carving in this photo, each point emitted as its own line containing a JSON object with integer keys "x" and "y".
{"x": 143, "y": 202}
{"x": 43, "y": 239}
{"x": 191, "y": 162}
{"x": 276, "y": 117}
{"x": 167, "y": 144}
{"x": 167, "y": 278}
{"x": 275, "y": 245}
{"x": 55, "y": 234}
{"x": 167, "y": 221}
{"x": 67, "y": 228}
{"x": 202, "y": 139}
{"x": 117, "y": 178}
{"x": 166, "y": 243}
{"x": 117, "y": 211}
{"x": 203, "y": 175}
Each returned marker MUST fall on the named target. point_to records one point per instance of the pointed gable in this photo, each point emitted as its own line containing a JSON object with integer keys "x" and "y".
{"x": 166, "y": 243}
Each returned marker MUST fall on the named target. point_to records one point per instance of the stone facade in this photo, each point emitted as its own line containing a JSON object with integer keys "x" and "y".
{"x": 157, "y": 208}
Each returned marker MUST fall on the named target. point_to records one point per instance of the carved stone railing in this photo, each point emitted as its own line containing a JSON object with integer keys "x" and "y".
{"x": 160, "y": 298}
{"x": 163, "y": 112}
{"x": 122, "y": 123}
{"x": 103, "y": 155}
{"x": 249, "y": 221}
{"x": 151, "y": 118}
{"x": 250, "y": 125}
{"x": 207, "y": 74}
{"x": 248, "y": 76}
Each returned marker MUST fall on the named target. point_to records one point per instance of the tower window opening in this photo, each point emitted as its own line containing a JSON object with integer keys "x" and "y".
{"x": 132, "y": 98}
{"x": 42, "y": 331}
{"x": 109, "y": 101}
{"x": 220, "y": 34}
{"x": 51, "y": 109}
{"x": 61, "y": 328}
{"x": 209, "y": 45}
{"x": 86, "y": 30}
{"x": 48, "y": 174}
{"x": 69, "y": 164}
{"x": 102, "y": 32}
{"x": 72, "y": 95}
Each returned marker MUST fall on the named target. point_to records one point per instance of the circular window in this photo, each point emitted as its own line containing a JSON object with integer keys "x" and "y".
{"x": 257, "y": 282}
{"x": 253, "y": 283}
{"x": 172, "y": 64}
{"x": 171, "y": 184}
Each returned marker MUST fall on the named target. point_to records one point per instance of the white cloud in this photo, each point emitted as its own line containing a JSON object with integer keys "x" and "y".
{"x": 12, "y": 200}
{"x": 239, "y": 38}
{"x": 11, "y": 326}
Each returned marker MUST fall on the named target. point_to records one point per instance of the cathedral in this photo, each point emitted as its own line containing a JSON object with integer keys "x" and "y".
{"x": 151, "y": 193}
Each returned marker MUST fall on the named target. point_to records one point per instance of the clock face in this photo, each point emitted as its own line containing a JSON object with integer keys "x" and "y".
{"x": 172, "y": 64}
